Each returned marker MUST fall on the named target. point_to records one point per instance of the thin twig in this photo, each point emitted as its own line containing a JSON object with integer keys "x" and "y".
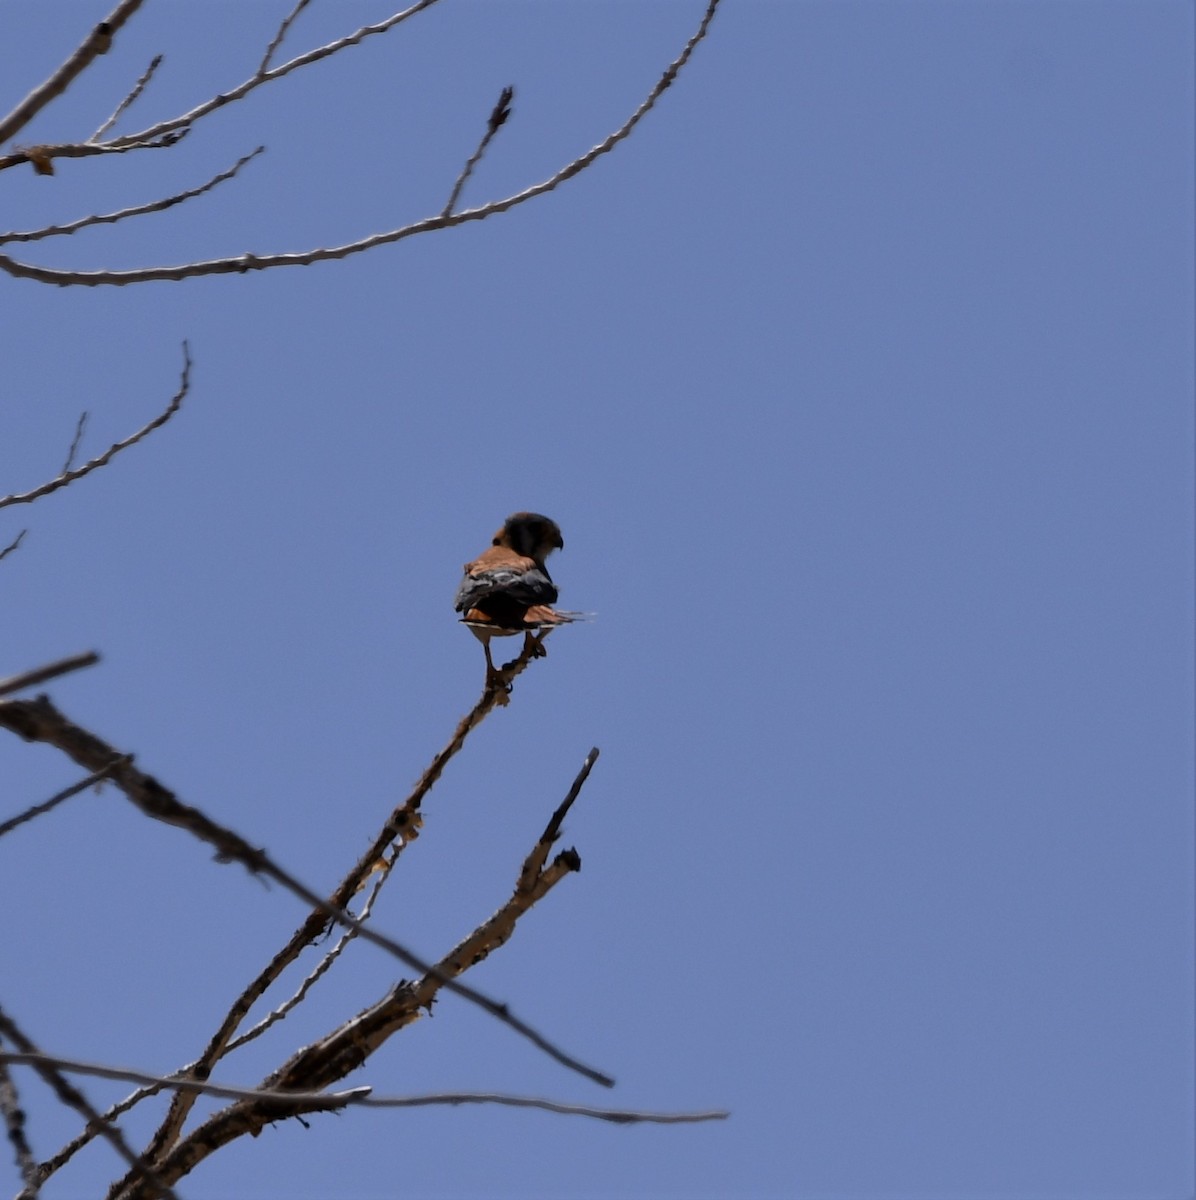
{"x": 66, "y": 1152}
{"x": 70, "y": 454}
{"x": 97, "y": 42}
{"x": 14, "y": 1122}
{"x": 321, "y": 969}
{"x": 38, "y": 720}
{"x": 42, "y": 157}
{"x": 498, "y": 118}
{"x": 38, "y": 810}
{"x": 110, "y": 218}
{"x": 13, "y": 544}
{"x": 359, "y": 1097}
{"x": 534, "y": 864}
{"x": 73, "y": 1098}
{"x": 280, "y": 36}
{"x": 618, "y": 1116}
{"x": 188, "y": 119}
{"x": 302, "y": 1101}
{"x": 28, "y": 679}
{"x": 251, "y": 262}
{"x": 102, "y": 460}
{"x": 130, "y": 99}
{"x": 167, "y": 133}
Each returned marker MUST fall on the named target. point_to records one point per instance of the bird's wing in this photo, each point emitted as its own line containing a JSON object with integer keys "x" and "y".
{"x": 501, "y": 571}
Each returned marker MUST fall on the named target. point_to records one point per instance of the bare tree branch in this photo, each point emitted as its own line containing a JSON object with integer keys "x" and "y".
{"x": 69, "y": 1095}
{"x": 359, "y": 1097}
{"x": 534, "y": 866}
{"x": 313, "y": 977}
{"x": 28, "y": 679}
{"x": 280, "y": 36}
{"x": 42, "y": 156}
{"x": 102, "y": 460}
{"x": 168, "y": 133}
{"x": 14, "y": 1124}
{"x": 188, "y": 119}
{"x": 14, "y": 544}
{"x": 498, "y": 118}
{"x": 97, "y": 42}
{"x": 74, "y": 448}
{"x": 252, "y": 262}
{"x": 61, "y": 1157}
{"x": 38, "y": 720}
{"x": 331, "y": 1058}
{"x": 36, "y": 235}
{"x": 38, "y": 809}
{"x": 300, "y": 1101}
{"x": 399, "y": 830}
{"x": 618, "y": 1116}
{"x": 129, "y": 100}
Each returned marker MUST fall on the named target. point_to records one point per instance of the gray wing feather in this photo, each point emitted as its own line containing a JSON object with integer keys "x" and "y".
{"x": 524, "y": 587}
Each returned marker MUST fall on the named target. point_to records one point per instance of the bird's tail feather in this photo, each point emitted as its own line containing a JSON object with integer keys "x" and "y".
{"x": 541, "y": 614}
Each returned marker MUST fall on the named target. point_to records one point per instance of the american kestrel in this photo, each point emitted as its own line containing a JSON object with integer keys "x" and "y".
{"x": 507, "y": 588}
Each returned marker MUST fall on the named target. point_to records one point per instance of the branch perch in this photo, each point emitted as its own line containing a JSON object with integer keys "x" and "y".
{"x": 39, "y": 721}
{"x": 331, "y": 1058}
{"x": 399, "y": 830}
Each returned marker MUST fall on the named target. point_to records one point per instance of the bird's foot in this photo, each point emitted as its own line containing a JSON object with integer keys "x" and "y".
{"x": 533, "y": 646}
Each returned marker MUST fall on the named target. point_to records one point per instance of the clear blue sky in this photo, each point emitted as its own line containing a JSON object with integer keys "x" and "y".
{"x": 860, "y": 381}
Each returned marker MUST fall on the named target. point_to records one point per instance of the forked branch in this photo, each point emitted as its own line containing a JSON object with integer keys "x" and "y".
{"x": 38, "y": 720}
{"x": 498, "y": 118}
{"x": 70, "y": 1096}
{"x": 446, "y": 219}
{"x": 69, "y": 475}
{"x": 131, "y": 99}
{"x": 329, "y": 1059}
{"x": 400, "y": 829}
{"x": 97, "y": 42}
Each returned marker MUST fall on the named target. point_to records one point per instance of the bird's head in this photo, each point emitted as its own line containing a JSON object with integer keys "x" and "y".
{"x": 530, "y": 534}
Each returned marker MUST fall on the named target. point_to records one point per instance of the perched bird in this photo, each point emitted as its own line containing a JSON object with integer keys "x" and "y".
{"x": 507, "y": 588}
